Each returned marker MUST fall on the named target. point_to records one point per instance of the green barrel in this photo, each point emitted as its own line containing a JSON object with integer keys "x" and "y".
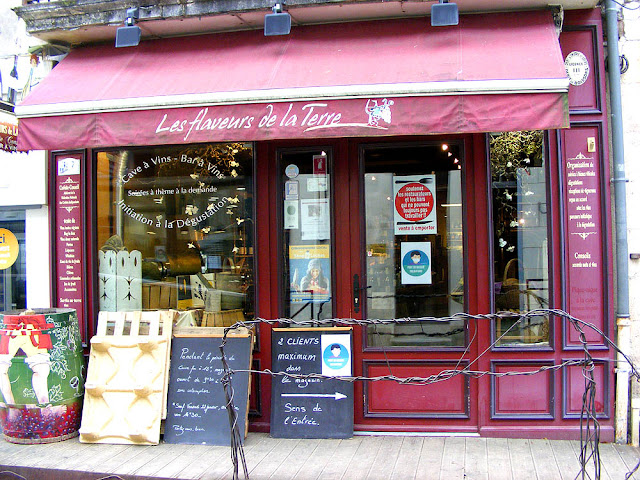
{"x": 41, "y": 375}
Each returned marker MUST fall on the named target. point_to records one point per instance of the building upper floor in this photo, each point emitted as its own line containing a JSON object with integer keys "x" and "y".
{"x": 93, "y": 21}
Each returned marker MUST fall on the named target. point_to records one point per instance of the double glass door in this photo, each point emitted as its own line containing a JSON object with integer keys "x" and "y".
{"x": 374, "y": 232}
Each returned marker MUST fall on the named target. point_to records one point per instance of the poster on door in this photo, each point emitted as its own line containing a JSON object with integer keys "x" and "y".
{"x": 416, "y": 263}
{"x": 414, "y": 205}
{"x": 314, "y": 219}
{"x": 310, "y": 268}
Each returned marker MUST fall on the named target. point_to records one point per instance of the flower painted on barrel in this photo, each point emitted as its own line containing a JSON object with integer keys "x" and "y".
{"x": 28, "y": 393}
{"x": 60, "y": 367}
{"x": 55, "y": 393}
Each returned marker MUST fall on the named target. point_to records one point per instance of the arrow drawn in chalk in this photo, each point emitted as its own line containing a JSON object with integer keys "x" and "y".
{"x": 335, "y": 396}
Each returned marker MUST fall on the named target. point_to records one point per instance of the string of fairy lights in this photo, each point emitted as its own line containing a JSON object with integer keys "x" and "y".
{"x": 589, "y": 457}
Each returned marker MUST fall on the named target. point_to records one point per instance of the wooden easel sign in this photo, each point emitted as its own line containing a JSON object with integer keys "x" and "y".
{"x": 312, "y": 407}
{"x": 196, "y": 409}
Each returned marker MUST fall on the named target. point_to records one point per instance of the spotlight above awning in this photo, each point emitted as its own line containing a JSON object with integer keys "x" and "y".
{"x": 393, "y": 77}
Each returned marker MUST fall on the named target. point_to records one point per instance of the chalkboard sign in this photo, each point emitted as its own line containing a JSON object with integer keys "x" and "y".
{"x": 196, "y": 408}
{"x": 311, "y": 407}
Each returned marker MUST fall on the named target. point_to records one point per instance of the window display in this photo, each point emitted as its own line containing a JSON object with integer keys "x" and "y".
{"x": 175, "y": 228}
{"x": 520, "y": 243}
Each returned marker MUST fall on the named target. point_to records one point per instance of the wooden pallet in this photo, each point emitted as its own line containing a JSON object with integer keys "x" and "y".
{"x": 126, "y": 387}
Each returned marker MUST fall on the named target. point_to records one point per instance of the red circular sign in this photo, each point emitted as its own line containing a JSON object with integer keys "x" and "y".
{"x": 414, "y": 202}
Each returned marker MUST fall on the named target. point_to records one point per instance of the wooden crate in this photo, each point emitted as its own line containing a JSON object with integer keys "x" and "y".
{"x": 159, "y": 296}
{"x": 224, "y": 318}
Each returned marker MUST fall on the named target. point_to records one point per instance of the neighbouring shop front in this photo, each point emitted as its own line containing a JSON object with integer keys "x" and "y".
{"x": 23, "y": 212}
{"x": 369, "y": 170}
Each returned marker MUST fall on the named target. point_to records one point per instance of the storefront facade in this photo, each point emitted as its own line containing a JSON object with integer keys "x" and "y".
{"x": 368, "y": 170}
{"x": 24, "y": 251}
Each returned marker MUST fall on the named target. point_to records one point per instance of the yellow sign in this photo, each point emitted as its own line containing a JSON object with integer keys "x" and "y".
{"x": 297, "y": 252}
{"x": 8, "y": 248}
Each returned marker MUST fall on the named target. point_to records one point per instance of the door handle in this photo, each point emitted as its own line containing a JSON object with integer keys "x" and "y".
{"x": 356, "y": 293}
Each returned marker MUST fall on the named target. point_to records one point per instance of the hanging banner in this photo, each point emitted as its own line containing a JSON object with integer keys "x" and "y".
{"x": 414, "y": 205}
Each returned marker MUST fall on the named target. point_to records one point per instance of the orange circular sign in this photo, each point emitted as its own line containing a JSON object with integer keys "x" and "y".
{"x": 8, "y": 248}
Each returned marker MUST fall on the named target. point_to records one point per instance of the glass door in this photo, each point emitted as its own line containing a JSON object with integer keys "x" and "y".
{"x": 375, "y": 232}
{"x": 413, "y": 243}
{"x": 413, "y": 261}
{"x": 307, "y": 248}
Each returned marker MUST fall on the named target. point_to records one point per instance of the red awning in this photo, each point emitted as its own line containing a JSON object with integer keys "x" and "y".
{"x": 494, "y": 72}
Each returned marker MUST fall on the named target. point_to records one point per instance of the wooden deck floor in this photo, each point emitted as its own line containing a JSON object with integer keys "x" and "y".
{"x": 361, "y": 457}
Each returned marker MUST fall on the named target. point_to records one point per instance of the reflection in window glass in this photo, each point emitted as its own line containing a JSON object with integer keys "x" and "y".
{"x": 306, "y": 247}
{"x": 184, "y": 217}
{"x": 414, "y": 255}
{"x": 520, "y": 243}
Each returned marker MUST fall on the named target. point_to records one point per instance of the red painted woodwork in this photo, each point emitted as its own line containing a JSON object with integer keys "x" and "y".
{"x": 584, "y": 223}
{"x": 385, "y": 398}
{"x": 586, "y": 97}
{"x": 574, "y": 384}
{"x": 523, "y": 395}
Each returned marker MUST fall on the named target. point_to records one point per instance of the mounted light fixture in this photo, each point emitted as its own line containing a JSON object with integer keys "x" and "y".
{"x": 129, "y": 35}
{"x": 444, "y": 14}
{"x": 278, "y": 22}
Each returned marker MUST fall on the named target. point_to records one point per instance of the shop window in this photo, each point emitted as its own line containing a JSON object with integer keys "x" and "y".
{"x": 178, "y": 220}
{"x": 414, "y": 243}
{"x": 520, "y": 234}
{"x": 13, "y": 261}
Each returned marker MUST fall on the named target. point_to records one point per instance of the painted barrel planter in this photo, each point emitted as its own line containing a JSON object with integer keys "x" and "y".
{"x": 41, "y": 375}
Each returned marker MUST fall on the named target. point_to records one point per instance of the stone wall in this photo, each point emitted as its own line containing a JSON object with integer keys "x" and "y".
{"x": 630, "y": 85}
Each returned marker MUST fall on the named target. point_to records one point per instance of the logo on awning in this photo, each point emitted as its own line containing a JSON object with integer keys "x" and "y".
{"x": 379, "y": 111}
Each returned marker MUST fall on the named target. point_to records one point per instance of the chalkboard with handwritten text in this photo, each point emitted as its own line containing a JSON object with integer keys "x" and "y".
{"x": 311, "y": 407}
{"x": 196, "y": 408}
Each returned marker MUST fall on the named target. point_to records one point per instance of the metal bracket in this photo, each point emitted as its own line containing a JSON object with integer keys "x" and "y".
{"x": 558, "y": 17}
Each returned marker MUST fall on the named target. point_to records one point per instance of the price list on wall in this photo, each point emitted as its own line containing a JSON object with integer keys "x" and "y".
{"x": 585, "y": 262}
{"x": 69, "y": 235}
